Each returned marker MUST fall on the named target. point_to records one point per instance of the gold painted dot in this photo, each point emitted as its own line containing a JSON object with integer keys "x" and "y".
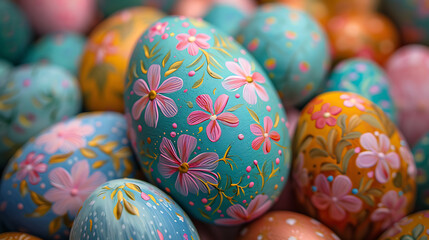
{"x": 276, "y": 186}
{"x": 172, "y": 34}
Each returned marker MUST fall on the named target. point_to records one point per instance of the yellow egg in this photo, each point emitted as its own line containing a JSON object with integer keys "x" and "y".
{"x": 105, "y": 60}
{"x": 17, "y": 236}
{"x": 352, "y": 169}
{"x": 414, "y": 226}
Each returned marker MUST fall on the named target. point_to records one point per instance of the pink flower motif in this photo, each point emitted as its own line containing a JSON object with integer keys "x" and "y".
{"x": 390, "y": 210}
{"x": 336, "y": 200}
{"x": 379, "y": 153}
{"x": 264, "y": 135}
{"x": 325, "y": 115}
{"x": 152, "y": 98}
{"x": 396, "y": 228}
{"x": 258, "y": 206}
{"x": 245, "y": 77}
{"x": 66, "y": 137}
{"x": 353, "y": 101}
{"x": 71, "y": 190}
{"x": 105, "y": 48}
{"x": 192, "y": 41}
{"x": 32, "y": 166}
{"x": 191, "y": 174}
{"x": 157, "y": 29}
{"x": 408, "y": 157}
{"x": 300, "y": 174}
{"x": 215, "y": 116}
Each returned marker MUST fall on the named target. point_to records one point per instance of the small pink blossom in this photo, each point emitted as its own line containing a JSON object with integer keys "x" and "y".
{"x": 264, "y": 135}
{"x": 258, "y": 206}
{"x": 353, "y": 101}
{"x": 215, "y": 116}
{"x": 157, "y": 29}
{"x": 32, "y": 166}
{"x": 191, "y": 173}
{"x": 105, "y": 48}
{"x": 66, "y": 137}
{"x": 152, "y": 96}
{"x": 192, "y": 41}
{"x": 378, "y": 153}
{"x": 71, "y": 190}
{"x": 336, "y": 200}
{"x": 244, "y": 77}
{"x": 408, "y": 157}
{"x": 390, "y": 210}
{"x": 325, "y": 115}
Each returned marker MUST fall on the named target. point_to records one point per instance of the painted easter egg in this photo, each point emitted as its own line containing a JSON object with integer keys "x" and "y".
{"x": 47, "y": 16}
{"x": 106, "y": 57}
{"x": 17, "y": 236}
{"x": 33, "y": 97}
{"x": 352, "y": 170}
{"x": 291, "y": 47}
{"x": 49, "y": 178}
{"x": 408, "y": 72}
{"x": 108, "y": 7}
{"x": 287, "y": 225}
{"x": 412, "y": 18}
{"x": 421, "y": 156}
{"x": 62, "y": 49}
{"x": 365, "y": 78}
{"x": 5, "y": 68}
{"x": 131, "y": 209}
{"x": 362, "y": 34}
{"x": 209, "y": 125}
{"x": 15, "y": 34}
{"x": 414, "y": 226}
{"x": 225, "y": 17}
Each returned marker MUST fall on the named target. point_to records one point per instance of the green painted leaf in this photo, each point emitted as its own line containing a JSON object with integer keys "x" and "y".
{"x": 317, "y": 152}
{"x": 352, "y": 135}
{"x": 406, "y": 237}
{"x": 397, "y": 181}
{"x": 371, "y": 120}
{"x": 339, "y": 149}
{"x": 321, "y": 141}
{"x": 99, "y": 74}
{"x": 346, "y": 159}
{"x": 232, "y": 109}
{"x": 330, "y": 167}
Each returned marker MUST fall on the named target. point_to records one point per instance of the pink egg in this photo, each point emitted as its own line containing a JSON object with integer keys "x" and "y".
{"x": 408, "y": 71}
{"x": 47, "y": 16}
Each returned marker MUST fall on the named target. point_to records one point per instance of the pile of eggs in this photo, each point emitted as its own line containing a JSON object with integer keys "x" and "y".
{"x": 214, "y": 119}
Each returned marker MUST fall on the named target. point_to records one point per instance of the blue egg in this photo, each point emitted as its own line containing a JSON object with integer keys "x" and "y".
{"x": 421, "y": 157}
{"x": 5, "y": 68}
{"x": 291, "y": 47}
{"x": 131, "y": 209}
{"x": 365, "y": 78}
{"x": 225, "y": 17}
{"x": 49, "y": 178}
{"x": 62, "y": 49}
{"x": 108, "y": 7}
{"x": 207, "y": 123}
{"x": 33, "y": 97}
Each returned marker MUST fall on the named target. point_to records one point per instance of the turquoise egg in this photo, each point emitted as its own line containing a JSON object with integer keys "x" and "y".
{"x": 225, "y": 17}
{"x": 49, "y": 178}
{"x": 108, "y": 7}
{"x": 131, "y": 209}
{"x": 291, "y": 47}
{"x": 33, "y": 97}
{"x": 62, "y": 49}
{"x": 5, "y": 68}
{"x": 15, "y": 32}
{"x": 365, "y": 78}
{"x": 421, "y": 157}
{"x": 208, "y": 125}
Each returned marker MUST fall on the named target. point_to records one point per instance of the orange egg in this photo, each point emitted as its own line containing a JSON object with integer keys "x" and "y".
{"x": 17, "y": 236}
{"x": 414, "y": 226}
{"x": 105, "y": 59}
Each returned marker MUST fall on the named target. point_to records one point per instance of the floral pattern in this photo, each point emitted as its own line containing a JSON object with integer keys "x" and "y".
{"x": 192, "y": 41}
{"x": 215, "y": 115}
{"x": 265, "y": 135}
{"x": 104, "y": 49}
{"x": 152, "y": 98}
{"x": 353, "y": 101}
{"x": 325, "y": 115}
{"x": 157, "y": 29}
{"x": 391, "y": 209}
{"x": 32, "y": 166}
{"x": 192, "y": 174}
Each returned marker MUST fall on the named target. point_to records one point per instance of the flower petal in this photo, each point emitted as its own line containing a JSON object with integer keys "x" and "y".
{"x": 258, "y": 206}
{"x": 275, "y": 136}
{"x": 169, "y": 152}
{"x": 139, "y": 106}
{"x": 380, "y": 214}
{"x": 236, "y": 69}
{"x": 201, "y": 43}
{"x": 181, "y": 184}
{"x": 320, "y": 123}
{"x": 140, "y": 88}
{"x": 151, "y": 114}
{"x": 33, "y": 177}
{"x": 257, "y": 77}
{"x": 55, "y": 195}
{"x": 197, "y": 117}
{"x": 267, "y": 145}
{"x": 384, "y": 142}
{"x": 237, "y": 211}
{"x": 393, "y": 159}
{"x": 80, "y": 172}
{"x": 322, "y": 185}
{"x": 321, "y": 201}
{"x": 60, "y": 178}
{"x": 249, "y": 94}
{"x": 261, "y": 92}
{"x": 245, "y": 66}
{"x": 154, "y": 76}
{"x": 336, "y": 212}
{"x": 268, "y": 124}
{"x": 204, "y": 161}
{"x": 350, "y": 203}
{"x": 382, "y": 171}
{"x": 317, "y": 115}
{"x": 369, "y": 142}
{"x": 91, "y": 183}
{"x": 334, "y": 110}
{"x": 220, "y": 103}
{"x": 170, "y": 85}
{"x": 341, "y": 186}
{"x": 257, "y": 129}
{"x": 366, "y": 159}
{"x": 331, "y": 121}
{"x": 213, "y": 131}
{"x": 233, "y": 83}
{"x": 167, "y": 106}
{"x": 186, "y": 144}
{"x": 228, "y": 119}
{"x": 205, "y": 102}
{"x": 257, "y": 142}
{"x": 193, "y": 49}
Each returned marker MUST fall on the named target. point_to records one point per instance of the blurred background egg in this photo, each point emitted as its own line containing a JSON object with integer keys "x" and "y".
{"x": 365, "y": 78}
{"x": 291, "y": 47}
{"x": 109, "y": 7}
{"x": 208, "y": 122}
{"x": 225, "y": 17}
{"x": 414, "y": 226}
{"x": 49, "y": 178}
{"x": 352, "y": 170}
{"x": 61, "y": 49}
{"x": 421, "y": 156}
{"x": 47, "y": 16}
{"x": 15, "y": 32}
{"x": 286, "y": 225}
{"x": 17, "y": 236}
{"x": 146, "y": 211}
{"x": 105, "y": 59}
{"x": 33, "y": 97}
{"x": 5, "y": 68}
{"x": 408, "y": 72}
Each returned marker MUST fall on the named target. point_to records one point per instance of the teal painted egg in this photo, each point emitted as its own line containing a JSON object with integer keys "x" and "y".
{"x": 62, "y": 49}
{"x": 421, "y": 156}
{"x": 5, "y": 68}
{"x": 108, "y": 7}
{"x": 49, "y": 178}
{"x": 225, "y": 17}
{"x": 15, "y": 32}
{"x": 291, "y": 47}
{"x": 209, "y": 126}
{"x": 131, "y": 209}
{"x": 32, "y": 98}
{"x": 365, "y": 78}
